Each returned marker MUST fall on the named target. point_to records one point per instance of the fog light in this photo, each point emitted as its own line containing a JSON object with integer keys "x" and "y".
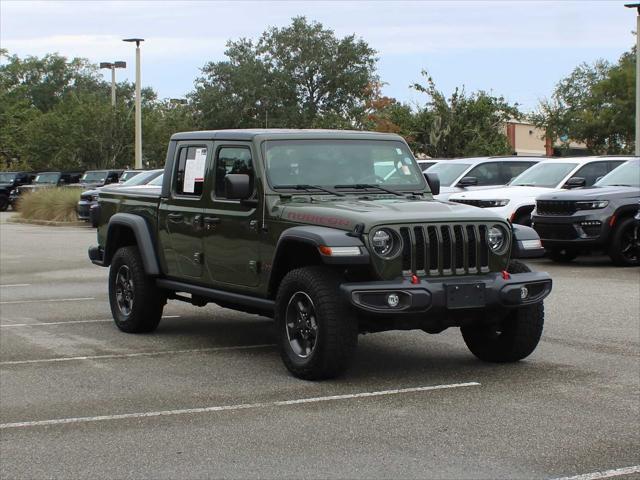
{"x": 524, "y": 293}
{"x": 393, "y": 300}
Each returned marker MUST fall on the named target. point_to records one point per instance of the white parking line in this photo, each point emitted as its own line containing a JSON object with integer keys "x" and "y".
{"x": 39, "y": 324}
{"x": 241, "y": 406}
{"x": 15, "y": 285}
{"x": 132, "y": 355}
{"x": 80, "y": 299}
{"x": 618, "y": 472}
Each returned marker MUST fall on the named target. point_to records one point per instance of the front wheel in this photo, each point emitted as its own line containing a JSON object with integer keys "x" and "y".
{"x": 136, "y": 303}
{"x": 511, "y": 339}
{"x": 4, "y": 203}
{"x": 625, "y": 244}
{"x": 317, "y": 333}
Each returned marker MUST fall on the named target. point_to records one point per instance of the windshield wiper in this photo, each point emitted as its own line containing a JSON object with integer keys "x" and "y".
{"x": 310, "y": 187}
{"x": 365, "y": 186}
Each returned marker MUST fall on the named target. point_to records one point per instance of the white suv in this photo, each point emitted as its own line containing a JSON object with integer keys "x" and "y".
{"x": 462, "y": 174}
{"x": 516, "y": 201}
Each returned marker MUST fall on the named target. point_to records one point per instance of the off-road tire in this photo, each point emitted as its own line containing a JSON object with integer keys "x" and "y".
{"x": 563, "y": 255}
{"x": 514, "y": 337}
{"x": 4, "y": 203}
{"x": 148, "y": 301}
{"x": 625, "y": 227}
{"x": 337, "y": 327}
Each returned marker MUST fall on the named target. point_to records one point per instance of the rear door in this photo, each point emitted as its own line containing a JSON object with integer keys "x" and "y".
{"x": 487, "y": 173}
{"x": 231, "y": 235}
{"x": 180, "y": 226}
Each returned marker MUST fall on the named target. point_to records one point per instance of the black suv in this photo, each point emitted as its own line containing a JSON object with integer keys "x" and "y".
{"x": 596, "y": 218}
{"x": 9, "y": 181}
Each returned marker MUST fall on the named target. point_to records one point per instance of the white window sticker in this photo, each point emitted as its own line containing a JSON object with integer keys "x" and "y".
{"x": 194, "y": 170}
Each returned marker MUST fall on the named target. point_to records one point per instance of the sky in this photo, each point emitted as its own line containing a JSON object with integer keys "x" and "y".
{"x": 518, "y": 49}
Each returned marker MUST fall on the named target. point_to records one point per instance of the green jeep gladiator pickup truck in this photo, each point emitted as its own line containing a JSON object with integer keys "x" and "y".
{"x": 331, "y": 233}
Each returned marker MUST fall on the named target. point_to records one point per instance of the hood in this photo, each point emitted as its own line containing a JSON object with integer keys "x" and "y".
{"x": 345, "y": 213}
{"x": 504, "y": 192}
{"x": 593, "y": 193}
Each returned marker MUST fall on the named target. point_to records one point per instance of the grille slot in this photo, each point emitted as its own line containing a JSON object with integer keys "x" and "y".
{"x": 445, "y": 249}
{"x": 556, "y": 207}
{"x": 551, "y": 231}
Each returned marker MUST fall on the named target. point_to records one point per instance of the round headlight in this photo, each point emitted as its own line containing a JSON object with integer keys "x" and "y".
{"x": 383, "y": 242}
{"x": 496, "y": 238}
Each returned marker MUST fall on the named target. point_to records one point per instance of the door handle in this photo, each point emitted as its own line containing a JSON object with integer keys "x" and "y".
{"x": 175, "y": 216}
{"x": 210, "y": 222}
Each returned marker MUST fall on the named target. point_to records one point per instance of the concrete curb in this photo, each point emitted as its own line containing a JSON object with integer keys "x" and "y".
{"x": 48, "y": 223}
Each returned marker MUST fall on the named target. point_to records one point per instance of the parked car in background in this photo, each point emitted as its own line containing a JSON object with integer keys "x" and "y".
{"x": 516, "y": 201}
{"x": 99, "y": 178}
{"x": 462, "y": 174}
{"x": 47, "y": 180}
{"x": 424, "y": 164}
{"x": 8, "y": 182}
{"x": 89, "y": 198}
{"x": 597, "y": 218}
{"x": 129, "y": 174}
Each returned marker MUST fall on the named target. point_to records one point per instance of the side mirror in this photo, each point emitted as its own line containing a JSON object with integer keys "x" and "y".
{"x": 237, "y": 186}
{"x": 575, "y": 182}
{"x": 468, "y": 182}
{"x": 434, "y": 182}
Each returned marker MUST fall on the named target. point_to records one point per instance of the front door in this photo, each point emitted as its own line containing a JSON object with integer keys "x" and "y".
{"x": 180, "y": 214}
{"x": 231, "y": 235}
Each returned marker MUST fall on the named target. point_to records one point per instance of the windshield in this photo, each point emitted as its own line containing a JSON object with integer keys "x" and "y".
{"x": 47, "y": 178}
{"x": 342, "y": 162}
{"x": 142, "y": 178}
{"x": 448, "y": 173}
{"x": 157, "y": 181}
{"x": 97, "y": 176}
{"x": 544, "y": 174}
{"x": 627, "y": 174}
{"x": 7, "y": 177}
{"x": 128, "y": 175}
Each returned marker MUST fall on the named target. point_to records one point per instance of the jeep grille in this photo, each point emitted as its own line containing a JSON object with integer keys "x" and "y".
{"x": 556, "y": 207}
{"x": 444, "y": 249}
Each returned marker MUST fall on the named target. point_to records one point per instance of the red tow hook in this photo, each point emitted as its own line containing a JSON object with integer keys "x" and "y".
{"x": 414, "y": 279}
{"x": 506, "y": 275}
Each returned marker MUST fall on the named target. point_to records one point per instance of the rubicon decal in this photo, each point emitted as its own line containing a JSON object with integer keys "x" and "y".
{"x": 318, "y": 219}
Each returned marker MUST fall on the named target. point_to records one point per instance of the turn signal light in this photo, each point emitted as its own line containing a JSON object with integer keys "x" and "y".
{"x": 506, "y": 275}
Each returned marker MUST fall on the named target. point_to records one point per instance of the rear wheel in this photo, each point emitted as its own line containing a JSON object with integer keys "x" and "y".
{"x": 317, "y": 332}
{"x": 625, "y": 244}
{"x": 563, "y": 255}
{"x": 511, "y": 339}
{"x": 136, "y": 302}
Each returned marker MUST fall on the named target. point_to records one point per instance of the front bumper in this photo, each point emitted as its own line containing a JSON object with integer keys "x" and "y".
{"x": 440, "y": 296}
{"x": 578, "y": 230}
{"x": 83, "y": 209}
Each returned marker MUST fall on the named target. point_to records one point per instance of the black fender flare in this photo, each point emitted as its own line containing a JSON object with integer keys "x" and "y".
{"x": 140, "y": 229}
{"x": 622, "y": 212}
{"x": 526, "y": 242}
{"x": 317, "y": 236}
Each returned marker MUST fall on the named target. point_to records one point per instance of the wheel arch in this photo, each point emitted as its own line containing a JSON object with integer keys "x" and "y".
{"x": 128, "y": 229}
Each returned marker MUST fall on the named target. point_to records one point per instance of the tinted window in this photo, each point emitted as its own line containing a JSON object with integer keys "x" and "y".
{"x": 190, "y": 170}
{"x": 232, "y": 160}
{"x": 592, "y": 172}
{"x": 626, "y": 175}
{"x": 544, "y": 174}
{"x": 510, "y": 170}
{"x": 448, "y": 172}
{"x": 486, "y": 173}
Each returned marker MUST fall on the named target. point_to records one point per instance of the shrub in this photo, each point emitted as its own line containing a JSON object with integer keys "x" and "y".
{"x": 57, "y": 204}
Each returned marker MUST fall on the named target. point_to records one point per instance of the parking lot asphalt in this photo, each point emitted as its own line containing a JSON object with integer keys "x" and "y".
{"x": 206, "y": 395}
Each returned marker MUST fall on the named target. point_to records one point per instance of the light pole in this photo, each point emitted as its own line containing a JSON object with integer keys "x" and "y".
{"x": 637, "y": 7}
{"x": 138, "y": 121}
{"x": 112, "y": 66}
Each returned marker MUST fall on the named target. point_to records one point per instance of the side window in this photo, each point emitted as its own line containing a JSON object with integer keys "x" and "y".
{"x": 189, "y": 177}
{"x": 592, "y": 171}
{"x": 511, "y": 170}
{"x": 232, "y": 160}
{"x": 487, "y": 173}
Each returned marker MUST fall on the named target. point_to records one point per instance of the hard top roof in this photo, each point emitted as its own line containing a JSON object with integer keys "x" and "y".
{"x": 523, "y": 158}
{"x": 282, "y": 133}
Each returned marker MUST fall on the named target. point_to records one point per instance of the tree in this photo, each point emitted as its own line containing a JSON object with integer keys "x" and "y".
{"x": 298, "y": 76}
{"x": 595, "y": 105}
{"x": 461, "y": 126}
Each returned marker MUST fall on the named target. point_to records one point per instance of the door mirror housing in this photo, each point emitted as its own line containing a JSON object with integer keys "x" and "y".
{"x": 468, "y": 182}
{"x": 434, "y": 182}
{"x": 237, "y": 186}
{"x": 575, "y": 182}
